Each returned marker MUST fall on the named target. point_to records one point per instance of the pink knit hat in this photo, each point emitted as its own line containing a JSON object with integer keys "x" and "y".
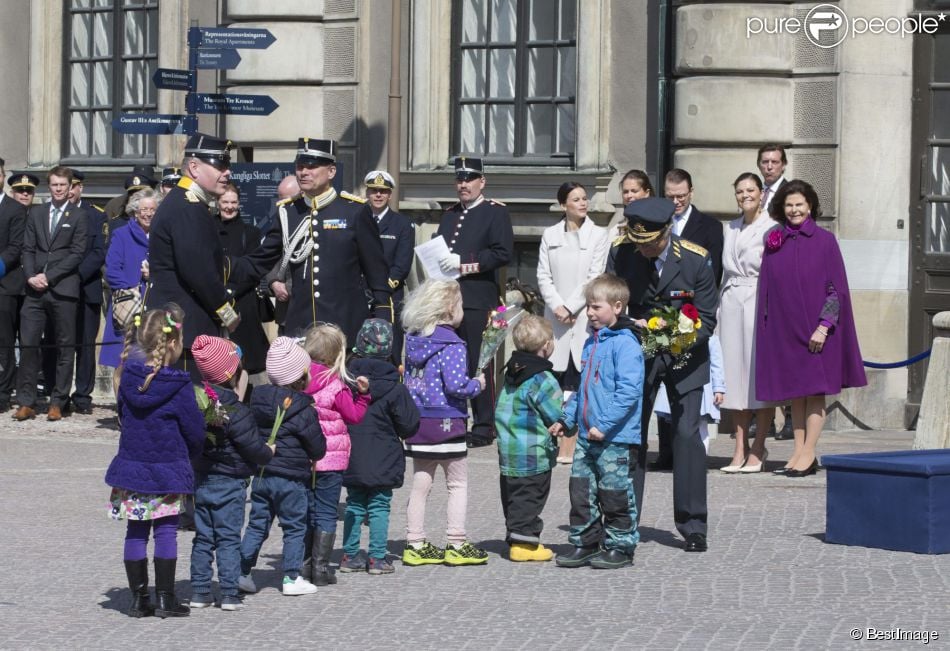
{"x": 217, "y": 359}
{"x": 287, "y": 362}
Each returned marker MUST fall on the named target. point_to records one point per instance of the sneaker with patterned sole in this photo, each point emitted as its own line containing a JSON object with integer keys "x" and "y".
{"x": 232, "y": 603}
{"x": 355, "y": 563}
{"x": 380, "y": 566}
{"x": 201, "y": 600}
{"x": 428, "y": 554}
{"x": 465, "y": 554}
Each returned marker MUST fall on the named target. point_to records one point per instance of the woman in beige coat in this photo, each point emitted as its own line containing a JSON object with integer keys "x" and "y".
{"x": 573, "y": 251}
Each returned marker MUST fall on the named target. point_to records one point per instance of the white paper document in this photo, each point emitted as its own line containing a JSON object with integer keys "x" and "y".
{"x": 430, "y": 253}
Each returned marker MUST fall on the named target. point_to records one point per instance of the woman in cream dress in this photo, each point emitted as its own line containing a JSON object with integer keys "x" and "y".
{"x": 744, "y": 244}
{"x": 573, "y": 251}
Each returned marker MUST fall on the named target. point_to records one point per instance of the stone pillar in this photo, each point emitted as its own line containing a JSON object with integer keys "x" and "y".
{"x": 933, "y": 424}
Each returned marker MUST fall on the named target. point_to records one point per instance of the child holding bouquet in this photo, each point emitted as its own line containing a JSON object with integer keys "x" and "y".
{"x": 233, "y": 449}
{"x": 161, "y": 429}
{"x": 436, "y": 377}
{"x": 336, "y": 408}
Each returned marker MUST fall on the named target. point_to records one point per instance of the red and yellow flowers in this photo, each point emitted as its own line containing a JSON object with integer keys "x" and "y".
{"x": 673, "y": 331}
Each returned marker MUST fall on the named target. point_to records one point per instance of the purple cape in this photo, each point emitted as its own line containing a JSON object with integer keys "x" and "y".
{"x": 792, "y": 291}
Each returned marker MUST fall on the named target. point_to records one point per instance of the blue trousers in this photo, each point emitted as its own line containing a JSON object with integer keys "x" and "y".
{"x": 325, "y": 499}
{"x": 287, "y": 500}
{"x": 361, "y": 503}
{"x": 603, "y": 504}
{"x": 219, "y": 517}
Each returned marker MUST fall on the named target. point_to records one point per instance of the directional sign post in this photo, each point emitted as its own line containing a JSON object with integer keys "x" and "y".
{"x": 233, "y": 104}
{"x": 149, "y": 123}
{"x": 217, "y": 59}
{"x": 218, "y": 37}
{"x": 170, "y": 79}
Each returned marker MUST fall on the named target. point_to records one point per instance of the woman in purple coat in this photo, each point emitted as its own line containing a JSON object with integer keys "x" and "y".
{"x": 806, "y": 345}
{"x": 126, "y": 265}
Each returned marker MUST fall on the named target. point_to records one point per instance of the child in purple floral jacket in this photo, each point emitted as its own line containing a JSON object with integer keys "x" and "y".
{"x": 437, "y": 379}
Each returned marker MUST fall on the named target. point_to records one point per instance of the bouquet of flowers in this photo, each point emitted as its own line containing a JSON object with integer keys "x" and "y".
{"x": 499, "y": 321}
{"x": 673, "y": 331}
{"x": 216, "y": 414}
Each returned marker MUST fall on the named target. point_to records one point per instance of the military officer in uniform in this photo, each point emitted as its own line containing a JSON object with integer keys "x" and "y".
{"x": 170, "y": 178}
{"x": 330, "y": 245}
{"x": 481, "y": 241}
{"x": 186, "y": 264}
{"x": 89, "y": 309}
{"x": 12, "y": 225}
{"x": 23, "y": 187}
{"x": 398, "y": 235}
{"x": 664, "y": 270}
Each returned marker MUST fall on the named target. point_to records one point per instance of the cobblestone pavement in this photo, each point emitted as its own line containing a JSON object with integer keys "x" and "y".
{"x": 768, "y": 579}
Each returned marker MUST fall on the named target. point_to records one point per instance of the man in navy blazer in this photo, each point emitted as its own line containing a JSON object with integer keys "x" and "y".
{"x": 12, "y": 224}
{"x": 54, "y": 244}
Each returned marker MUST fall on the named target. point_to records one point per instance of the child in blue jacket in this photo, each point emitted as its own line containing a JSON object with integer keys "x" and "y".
{"x": 606, "y": 410}
{"x": 233, "y": 450}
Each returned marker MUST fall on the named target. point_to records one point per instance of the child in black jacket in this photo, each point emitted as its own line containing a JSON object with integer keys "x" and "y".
{"x": 233, "y": 450}
{"x": 377, "y": 460}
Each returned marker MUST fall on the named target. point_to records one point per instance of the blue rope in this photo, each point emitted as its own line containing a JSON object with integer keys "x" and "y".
{"x": 906, "y": 362}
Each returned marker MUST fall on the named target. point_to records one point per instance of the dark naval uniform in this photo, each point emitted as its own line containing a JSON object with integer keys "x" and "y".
{"x": 328, "y": 280}
{"x": 482, "y": 237}
{"x": 687, "y": 277}
{"x": 89, "y": 310}
{"x": 186, "y": 264}
{"x": 12, "y": 283}
{"x": 398, "y": 236}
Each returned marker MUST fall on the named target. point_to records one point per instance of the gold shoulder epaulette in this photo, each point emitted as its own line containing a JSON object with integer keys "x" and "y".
{"x": 496, "y": 202}
{"x": 289, "y": 200}
{"x": 695, "y": 248}
{"x": 102, "y": 210}
{"x": 352, "y": 197}
{"x": 191, "y": 197}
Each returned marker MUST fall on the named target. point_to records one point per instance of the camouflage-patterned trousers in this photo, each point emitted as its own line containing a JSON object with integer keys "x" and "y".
{"x": 603, "y": 505}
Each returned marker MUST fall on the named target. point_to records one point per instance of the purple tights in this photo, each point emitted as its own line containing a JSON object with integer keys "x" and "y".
{"x": 166, "y": 538}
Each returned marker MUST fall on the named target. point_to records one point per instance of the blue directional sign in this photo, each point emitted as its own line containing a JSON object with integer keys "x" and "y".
{"x": 171, "y": 79}
{"x": 149, "y": 123}
{"x": 249, "y": 38}
{"x": 217, "y": 59}
{"x": 232, "y": 104}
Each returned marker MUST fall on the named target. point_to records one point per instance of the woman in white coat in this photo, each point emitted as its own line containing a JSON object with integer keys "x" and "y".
{"x": 741, "y": 261}
{"x": 573, "y": 251}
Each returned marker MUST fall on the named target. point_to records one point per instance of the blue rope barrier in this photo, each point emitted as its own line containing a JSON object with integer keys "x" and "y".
{"x": 906, "y": 362}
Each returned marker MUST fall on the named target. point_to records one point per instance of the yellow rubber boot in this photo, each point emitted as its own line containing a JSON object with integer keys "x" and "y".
{"x": 521, "y": 552}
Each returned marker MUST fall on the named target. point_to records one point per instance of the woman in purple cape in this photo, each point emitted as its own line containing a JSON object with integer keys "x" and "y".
{"x": 806, "y": 345}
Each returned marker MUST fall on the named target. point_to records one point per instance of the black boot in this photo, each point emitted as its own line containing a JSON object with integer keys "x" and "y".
{"x": 168, "y": 605}
{"x": 137, "y": 572}
{"x": 322, "y": 548}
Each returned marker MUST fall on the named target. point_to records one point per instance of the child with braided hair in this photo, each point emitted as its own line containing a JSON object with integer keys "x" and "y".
{"x": 161, "y": 429}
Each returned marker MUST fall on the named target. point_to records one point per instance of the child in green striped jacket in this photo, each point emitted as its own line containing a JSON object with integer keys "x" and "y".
{"x": 529, "y": 403}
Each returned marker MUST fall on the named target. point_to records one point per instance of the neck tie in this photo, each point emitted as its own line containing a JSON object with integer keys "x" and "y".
{"x": 765, "y": 198}
{"x": 54, "y": 218}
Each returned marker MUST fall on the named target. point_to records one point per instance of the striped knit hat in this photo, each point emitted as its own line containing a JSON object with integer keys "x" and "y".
{"x": 217, "y": 359}
{"x": 287, "y": 362}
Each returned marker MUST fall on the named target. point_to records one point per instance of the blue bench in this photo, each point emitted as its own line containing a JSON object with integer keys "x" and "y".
{"x": 889, "y": 500}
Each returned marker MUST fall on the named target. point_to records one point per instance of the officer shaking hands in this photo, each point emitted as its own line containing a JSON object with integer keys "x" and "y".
{"x": 666, "y": 270}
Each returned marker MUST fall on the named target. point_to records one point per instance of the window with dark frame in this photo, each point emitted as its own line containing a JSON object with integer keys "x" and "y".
{"x": 111, "y": 53}
{"x": 515, "y": 80}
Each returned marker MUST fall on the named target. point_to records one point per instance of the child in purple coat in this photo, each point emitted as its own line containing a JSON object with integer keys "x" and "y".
{"x": 161, "y": 429}
{"x": 436, "y": 377}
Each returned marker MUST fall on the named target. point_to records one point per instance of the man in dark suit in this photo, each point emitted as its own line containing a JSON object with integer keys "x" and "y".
{"x": 398, "y": 235}
{"x": 90, "y": 298}
{"x": 12, "y": 224}
{"x": 481, "y": 241}
{"x": 666, "y": 270}
{"x": 54, "y": 244}
{"x": 689, "y": 224}
{"x": 329, "y": 243}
